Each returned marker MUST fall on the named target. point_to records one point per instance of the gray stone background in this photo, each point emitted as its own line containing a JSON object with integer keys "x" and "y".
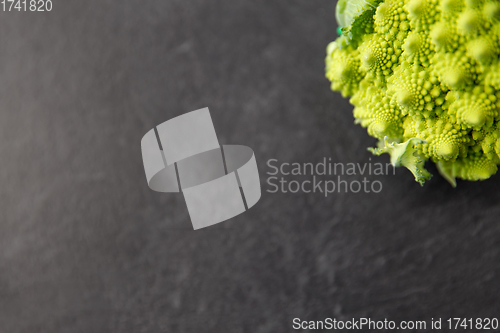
{"x": 85, "y": 246}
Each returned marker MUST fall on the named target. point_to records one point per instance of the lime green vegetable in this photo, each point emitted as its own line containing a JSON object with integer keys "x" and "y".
{"x": 424, "y": 76}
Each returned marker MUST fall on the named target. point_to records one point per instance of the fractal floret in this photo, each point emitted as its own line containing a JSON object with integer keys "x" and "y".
{"x": 424, "y": 79}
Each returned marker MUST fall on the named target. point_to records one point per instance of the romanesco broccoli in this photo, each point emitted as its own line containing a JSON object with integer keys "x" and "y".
{"x": 424, "y": 78}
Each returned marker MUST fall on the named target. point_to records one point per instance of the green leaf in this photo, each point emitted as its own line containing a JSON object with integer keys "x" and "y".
{"x": 405, "y": 154}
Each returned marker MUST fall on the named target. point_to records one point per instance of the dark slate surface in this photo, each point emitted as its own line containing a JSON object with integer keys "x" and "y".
{"x": 85, "y": 246}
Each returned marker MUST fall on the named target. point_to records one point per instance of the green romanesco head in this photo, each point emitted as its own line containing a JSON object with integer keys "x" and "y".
{"x": 424, "y": 78}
